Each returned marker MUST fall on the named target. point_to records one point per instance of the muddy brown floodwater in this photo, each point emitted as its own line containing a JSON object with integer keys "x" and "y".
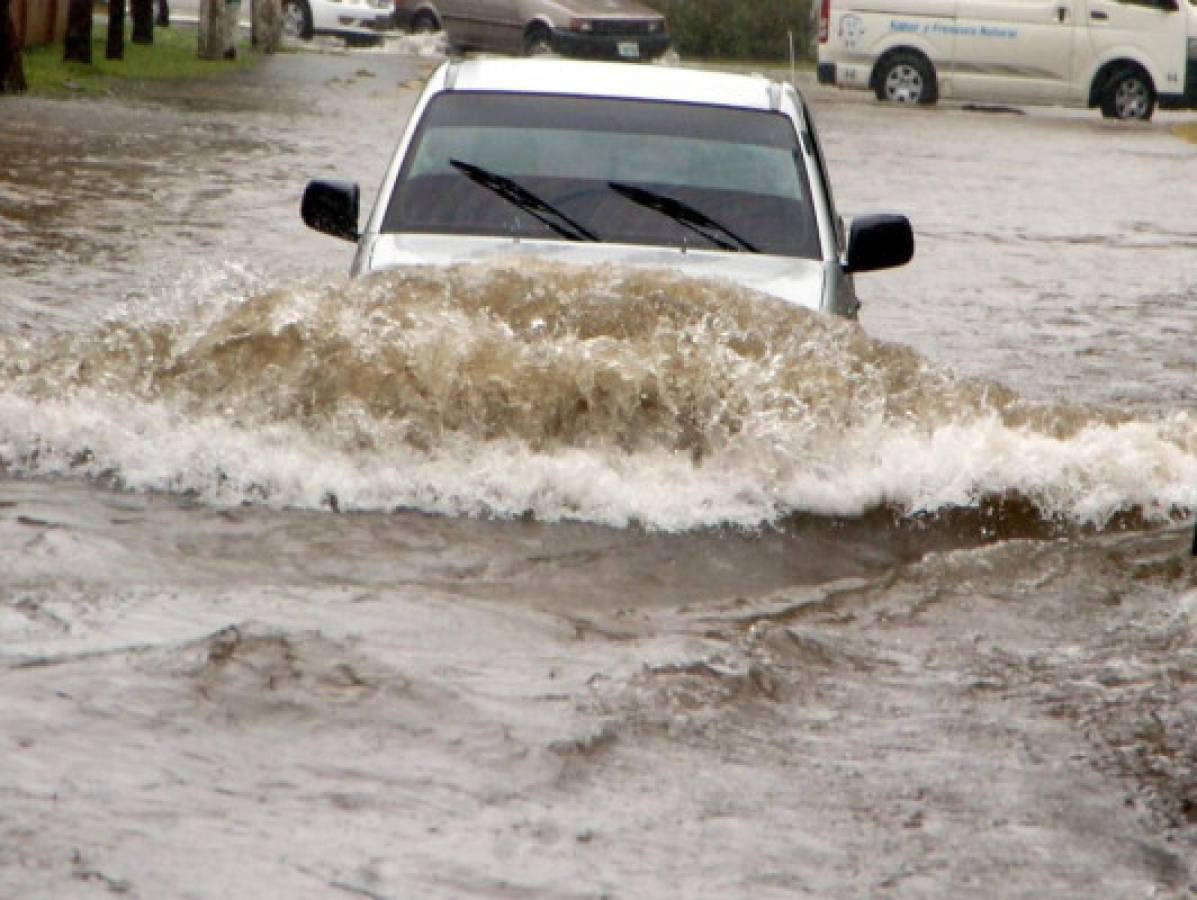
{"x": 529, "y": 582}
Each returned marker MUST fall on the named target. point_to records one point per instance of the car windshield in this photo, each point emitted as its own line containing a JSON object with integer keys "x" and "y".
{"x": 624, "y": 171}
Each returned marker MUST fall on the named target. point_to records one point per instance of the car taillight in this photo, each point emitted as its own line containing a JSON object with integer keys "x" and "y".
{"x": 824, "y": 20}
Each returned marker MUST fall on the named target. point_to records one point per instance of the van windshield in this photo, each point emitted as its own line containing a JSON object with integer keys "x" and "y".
{"x": 624, "y": 171}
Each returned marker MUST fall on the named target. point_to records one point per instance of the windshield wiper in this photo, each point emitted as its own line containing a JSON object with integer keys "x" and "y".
{"x": 684, "y": 214}
{"x": 521, "y": 197}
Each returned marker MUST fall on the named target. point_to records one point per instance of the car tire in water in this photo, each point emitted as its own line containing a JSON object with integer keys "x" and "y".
{"x": 1128, "y": 95}
{"x": 424, "y": 22}
{"x": 537, "y": 40}
{"x": 905, "y": 77}
{"x": 297, "y": 19}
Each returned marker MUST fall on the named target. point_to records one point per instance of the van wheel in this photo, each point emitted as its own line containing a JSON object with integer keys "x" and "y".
{"x": 537, "y": 41}
{"x": 297, "y": 19}
{"x": 1129, "y": 95}
{"x": 905, "y": 78}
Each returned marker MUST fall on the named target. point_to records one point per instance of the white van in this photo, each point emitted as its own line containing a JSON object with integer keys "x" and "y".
{"x": 1124, "y": 56}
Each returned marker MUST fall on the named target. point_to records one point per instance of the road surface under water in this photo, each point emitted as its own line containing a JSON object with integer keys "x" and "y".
{"x": 534, "y": 582}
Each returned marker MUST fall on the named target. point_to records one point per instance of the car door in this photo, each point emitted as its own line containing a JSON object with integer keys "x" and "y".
{"x": 498, "y": 26}
{"x": 1016, "y": 50}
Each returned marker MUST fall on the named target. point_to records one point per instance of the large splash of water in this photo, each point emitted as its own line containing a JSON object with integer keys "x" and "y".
{"x": 597, "y": 394}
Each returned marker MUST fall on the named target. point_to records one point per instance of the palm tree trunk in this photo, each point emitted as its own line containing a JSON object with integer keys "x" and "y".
{"x": 211, "y": 29}
{"x": 76, "y": 46}
{"x": 143, "y": 21}
{"x": 266, "y": 18}
{"x": 12, "y": 73}
{"x": 114, "y": 48}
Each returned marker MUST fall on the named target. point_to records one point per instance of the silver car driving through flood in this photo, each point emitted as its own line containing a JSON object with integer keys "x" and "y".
{"x": 707, "y": 173}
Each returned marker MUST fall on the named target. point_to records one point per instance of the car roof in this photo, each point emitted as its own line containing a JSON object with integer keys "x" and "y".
{"x": 613, "y": 79}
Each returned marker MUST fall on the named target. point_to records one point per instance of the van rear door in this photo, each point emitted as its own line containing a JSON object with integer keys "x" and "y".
{"x": 1017, "y": 49}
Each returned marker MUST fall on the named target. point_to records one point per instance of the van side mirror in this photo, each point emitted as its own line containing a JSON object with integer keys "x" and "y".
{"x": 879, "y": 241}
{"x": 332, "y": 208}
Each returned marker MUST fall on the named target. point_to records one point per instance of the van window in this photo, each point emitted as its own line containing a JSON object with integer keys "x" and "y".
{"x": 1166, "y": 5}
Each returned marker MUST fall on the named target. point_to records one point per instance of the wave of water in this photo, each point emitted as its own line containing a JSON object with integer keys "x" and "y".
{"x": 601, "y": 395}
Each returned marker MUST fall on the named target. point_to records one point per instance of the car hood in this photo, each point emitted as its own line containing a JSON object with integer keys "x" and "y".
{"x": 795, "y": 280}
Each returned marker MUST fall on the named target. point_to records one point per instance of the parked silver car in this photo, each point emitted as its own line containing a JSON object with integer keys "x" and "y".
{"x": 597, "y": 29}
{"x": 354, "y": 20}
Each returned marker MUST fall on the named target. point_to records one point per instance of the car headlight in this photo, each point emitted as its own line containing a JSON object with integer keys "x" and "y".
{"x": 581, "y": 25}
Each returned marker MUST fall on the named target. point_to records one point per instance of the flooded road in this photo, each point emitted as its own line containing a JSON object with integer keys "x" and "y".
{"x": 554, "y": 583}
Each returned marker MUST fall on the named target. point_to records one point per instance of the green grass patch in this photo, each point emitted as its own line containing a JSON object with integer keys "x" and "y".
{"x": 774, "y": 68}
{"x": 737, "y": 29}
{"x": 174, "y": 56}
{"x": 1187, "y": 131}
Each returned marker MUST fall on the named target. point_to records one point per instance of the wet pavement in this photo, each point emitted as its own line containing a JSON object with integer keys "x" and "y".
{"x": 106, "y": 199}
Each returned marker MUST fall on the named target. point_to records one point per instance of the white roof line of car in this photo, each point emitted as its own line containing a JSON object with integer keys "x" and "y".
{"x": 613, "y": 79}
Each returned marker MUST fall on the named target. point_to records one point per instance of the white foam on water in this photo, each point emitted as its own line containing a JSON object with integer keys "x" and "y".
{"x": 482, "y": 392}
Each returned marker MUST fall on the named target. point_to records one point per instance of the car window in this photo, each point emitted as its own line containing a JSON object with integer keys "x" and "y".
{"x": 741, "y": 168}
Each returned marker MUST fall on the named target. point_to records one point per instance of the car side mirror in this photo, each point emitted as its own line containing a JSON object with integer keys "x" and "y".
{"x": 332, "y": 208}
{"x": 879, "y": 241}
